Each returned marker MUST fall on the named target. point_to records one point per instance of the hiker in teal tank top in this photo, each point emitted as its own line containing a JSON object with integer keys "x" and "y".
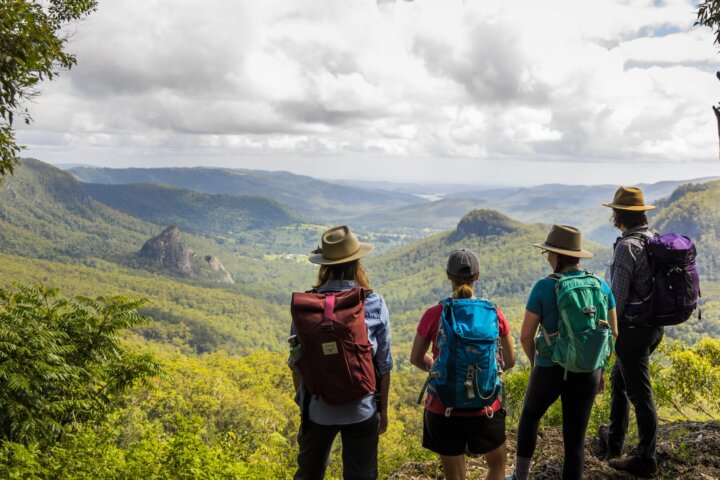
{"x": 567, "y": 335}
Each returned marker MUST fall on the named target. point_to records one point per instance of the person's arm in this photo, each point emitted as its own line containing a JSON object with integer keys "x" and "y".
{"x": 508, "y": 351}
{"x": 623, "y": 266}
{"x": 383, "y": 363}
{"x": 612, "y": 320}
{"x": 297, "y": 379}
{"x": 418, "y": 354}
{"x": 384, "y": 394}
{"x": 527, "y": 335}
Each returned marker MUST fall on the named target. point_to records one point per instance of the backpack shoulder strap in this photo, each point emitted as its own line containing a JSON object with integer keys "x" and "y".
{"x": 555, "y": 276}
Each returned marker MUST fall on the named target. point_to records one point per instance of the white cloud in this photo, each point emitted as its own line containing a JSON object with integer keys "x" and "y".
{"x": 539, "y": 83}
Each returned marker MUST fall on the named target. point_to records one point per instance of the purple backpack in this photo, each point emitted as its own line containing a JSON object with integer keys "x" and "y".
{"x": 676, "y": 285}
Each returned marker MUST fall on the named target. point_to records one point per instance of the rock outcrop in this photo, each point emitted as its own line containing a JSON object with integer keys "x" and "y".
{"x": 170, "y": 251}
{"x": 686, "y": 450}
{"x": 222, "y": 275}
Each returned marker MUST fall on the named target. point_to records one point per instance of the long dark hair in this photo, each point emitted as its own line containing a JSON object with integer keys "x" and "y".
{"x": 343, "y": 271}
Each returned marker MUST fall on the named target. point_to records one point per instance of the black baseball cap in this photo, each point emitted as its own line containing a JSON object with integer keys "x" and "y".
{"x": 463, "y": 263}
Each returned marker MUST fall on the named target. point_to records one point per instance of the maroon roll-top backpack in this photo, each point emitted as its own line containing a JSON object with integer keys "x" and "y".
{"x": 337, "y": 358}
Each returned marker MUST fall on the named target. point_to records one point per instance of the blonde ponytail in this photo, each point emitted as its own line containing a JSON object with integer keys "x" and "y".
{"x": 463, "y": 286}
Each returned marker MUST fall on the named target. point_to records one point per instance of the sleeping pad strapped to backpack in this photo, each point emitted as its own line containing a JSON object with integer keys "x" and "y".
{"x": 337, "y": 359}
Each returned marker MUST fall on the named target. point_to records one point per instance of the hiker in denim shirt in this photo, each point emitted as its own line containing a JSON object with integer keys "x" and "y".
{"x": 631, "y": 281}
{"x": 360, "y": 422}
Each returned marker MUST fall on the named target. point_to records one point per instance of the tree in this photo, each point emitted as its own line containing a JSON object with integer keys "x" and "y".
{"x": 31, "y": 50}
{"x": 62, "y": 362}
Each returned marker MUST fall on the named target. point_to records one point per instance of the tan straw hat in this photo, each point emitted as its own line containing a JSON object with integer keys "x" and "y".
{"x": 339, "y": 245}
{"x": 629, "y": 198}
{"x": 565, "y": 240}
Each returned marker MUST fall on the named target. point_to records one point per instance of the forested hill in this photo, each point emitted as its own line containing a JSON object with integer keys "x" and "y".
{"x": 308, "y": 195}
{"x": 413, "y": 278}
{"x": 193, "y": 211}
{"x": 694, "y": 210}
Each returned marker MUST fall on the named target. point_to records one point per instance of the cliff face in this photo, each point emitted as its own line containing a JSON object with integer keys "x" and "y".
{"x": 222, "y": 275}
{"x": 168, "y": 249}
{"x": 686, "y": 450}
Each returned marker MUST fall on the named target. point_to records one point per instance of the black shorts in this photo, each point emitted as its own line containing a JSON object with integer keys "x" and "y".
{"x": 463, "y": 434}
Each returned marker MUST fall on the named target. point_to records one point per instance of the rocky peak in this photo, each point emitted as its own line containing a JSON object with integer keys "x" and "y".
{"x": 169, "y": 249}
{"x": 215, "y": 265}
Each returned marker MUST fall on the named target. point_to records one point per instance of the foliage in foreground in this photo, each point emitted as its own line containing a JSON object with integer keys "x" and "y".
{"x": 62, "y": 363}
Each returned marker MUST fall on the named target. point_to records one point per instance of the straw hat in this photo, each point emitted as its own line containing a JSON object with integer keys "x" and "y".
{"x": 565, "y": 240}
{"x": 629, "y": 198}
{"x": 340, "y": 245}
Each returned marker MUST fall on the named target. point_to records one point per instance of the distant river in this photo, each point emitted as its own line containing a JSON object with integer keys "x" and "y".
{"x": 433, "y": 197}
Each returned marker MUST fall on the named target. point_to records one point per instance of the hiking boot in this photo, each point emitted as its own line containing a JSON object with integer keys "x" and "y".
{"x": 603, "y": 443}
{"x": 638, "y": 466}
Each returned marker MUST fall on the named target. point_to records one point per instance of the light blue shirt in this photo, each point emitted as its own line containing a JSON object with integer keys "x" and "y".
{"x": 377, "y": 321}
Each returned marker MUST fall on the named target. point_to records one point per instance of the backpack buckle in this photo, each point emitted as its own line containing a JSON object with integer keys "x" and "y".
{"x": 590, "y": 310}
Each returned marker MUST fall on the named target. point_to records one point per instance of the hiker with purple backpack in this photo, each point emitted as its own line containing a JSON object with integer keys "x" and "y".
{"x": 341, "y": 361}
{"x": 655, "y": 283}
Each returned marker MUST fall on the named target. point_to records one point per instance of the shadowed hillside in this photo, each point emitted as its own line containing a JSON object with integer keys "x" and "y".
{"x": 195, "y": 212}
{"x": 308, "y": 195}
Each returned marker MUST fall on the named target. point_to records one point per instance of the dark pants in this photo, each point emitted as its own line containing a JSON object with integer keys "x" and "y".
{"x": 577, "y": 394}
{"x": 359, "y": 449}
{"x": 630, "y": 381}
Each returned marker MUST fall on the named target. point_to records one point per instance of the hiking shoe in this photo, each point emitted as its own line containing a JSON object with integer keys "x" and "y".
{"x": 602, "y": 443}
{"x": 638, "y": 466}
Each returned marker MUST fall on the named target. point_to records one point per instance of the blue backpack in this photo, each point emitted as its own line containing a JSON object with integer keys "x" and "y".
{"x": 466, "y": 373}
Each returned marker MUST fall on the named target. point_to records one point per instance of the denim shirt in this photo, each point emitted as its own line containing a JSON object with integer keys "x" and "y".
{"x": 377, "y": 321}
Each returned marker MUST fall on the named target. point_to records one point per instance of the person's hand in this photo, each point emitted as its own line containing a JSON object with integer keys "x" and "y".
{"x": 601, "y": 386}
{"x": 383, "y": 424}
{"x": 428, "y": 362}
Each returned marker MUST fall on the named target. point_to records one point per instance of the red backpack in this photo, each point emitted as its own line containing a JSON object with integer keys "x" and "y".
{"x": 337, "y": 358}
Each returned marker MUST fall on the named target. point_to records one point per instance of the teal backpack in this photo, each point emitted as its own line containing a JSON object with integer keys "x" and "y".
{"x": 584, "y": 340}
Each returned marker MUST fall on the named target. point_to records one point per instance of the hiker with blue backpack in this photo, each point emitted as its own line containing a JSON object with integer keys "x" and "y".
{"x": 567, "y": 335}
{"x": 471, "y": 346}
{"x": 341, "y": 361}
{"x": 655, "y": 282}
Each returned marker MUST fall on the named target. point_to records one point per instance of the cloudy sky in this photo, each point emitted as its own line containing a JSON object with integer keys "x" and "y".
{"x": 444, "y": 91}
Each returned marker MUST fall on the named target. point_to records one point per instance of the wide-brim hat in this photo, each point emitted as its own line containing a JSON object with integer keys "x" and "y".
{"x": 339, "y": 245}
{"x": 565, "y": 240}
{"x": 629, "y": 198}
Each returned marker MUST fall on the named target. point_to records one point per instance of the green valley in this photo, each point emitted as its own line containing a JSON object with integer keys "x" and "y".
{"x": 223, "y": 403}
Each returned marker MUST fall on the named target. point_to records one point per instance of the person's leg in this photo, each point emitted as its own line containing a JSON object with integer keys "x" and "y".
{"x": 577, "y": 396}
{"x": 543, "y": 389}
{"x": 359, "y": 449}
{"x": 314, "y": 444}
{"x": 496, "y": 460}
{"x": 635, "y": 367}
{"x": 453, "y": 466}
{"x": 619, "y": 409}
